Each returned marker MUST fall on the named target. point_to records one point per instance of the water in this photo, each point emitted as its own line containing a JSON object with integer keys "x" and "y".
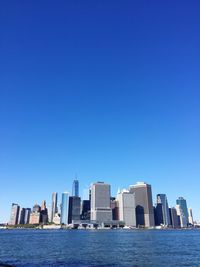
{"x": 100, "y": 248}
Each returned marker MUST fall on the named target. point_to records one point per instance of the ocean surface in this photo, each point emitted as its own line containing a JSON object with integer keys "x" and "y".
{"x": 100, "y": 248}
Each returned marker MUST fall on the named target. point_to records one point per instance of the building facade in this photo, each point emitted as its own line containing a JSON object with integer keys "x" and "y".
{"x": 65, "y": 208}
{"x": 75, "y": 188}
{"x": 182, "y": 211}
{"x": 126, "y": 204}
{"x": 143, "y": 204}
{"x": 100, "y": 202}
{"x": 14, "y": 214}
{"x": 162, "y": 199}
{"x": 54, "y": 206}
{"x": 74, "y": 209}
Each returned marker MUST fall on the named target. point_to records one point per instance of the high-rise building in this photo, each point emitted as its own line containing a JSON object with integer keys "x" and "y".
{"x": 34, "y": 217}
{"x": 158, "y": 215}
{"x": 143, "y": 203}
{"x": 27, "y": 215}
{"x": 14, "y": 214}
{"x": 115, "y": 208}
{"x": 100, "y": 202}
{"x": 65, "y": 208}
{"x": 162, "y": 199}
{"x": 175, "y": 222}
{"x": 75, "y": 188}
{"x": 183, "y": 210}
{"x": 126, "y": 203}
{"x": 190, "y": 216}
{"x": 22, "y": 216}
{"x": 85, "y": 210}
{"x": 44, "y": 213}
{"x": 74, "y": 209}
{"x": 54, "y": 207}
{"x": 181, "y": 216}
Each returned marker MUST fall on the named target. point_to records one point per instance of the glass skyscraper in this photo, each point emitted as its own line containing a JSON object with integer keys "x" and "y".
{"x": 162, "y": 199}
{"x": 65, "y": 208}
{"x": 183, "y": 208}
{"x": 75, "y": 188}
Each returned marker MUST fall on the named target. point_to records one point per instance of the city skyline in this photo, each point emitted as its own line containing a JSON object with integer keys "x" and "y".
{"x": 133, "y": 206}
{"x": 104, "y": 91}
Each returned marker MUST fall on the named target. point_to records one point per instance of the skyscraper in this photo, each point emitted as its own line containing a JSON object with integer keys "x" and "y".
{"x": 143, "y": 203}
{"x": 75, "y": 188}
{"x": 126, "y": 204}
{"x": 54, "y": 207}
{"x": 14, "y": 214}
{"x": 27, "y": 215}
{"x": 74, "y": 209}
{"x": 22, "y": 216}
{"x": 183, "y": 210}
{"x": 190, "y": 217}
{"x": 85, "y": 210}
{"x": 175, "y": 222}
{"x": 100, "y": 202}
{"x": 65, "y": 208}
{"x": 44, "y": 212}
{"x": 162, "y": 199}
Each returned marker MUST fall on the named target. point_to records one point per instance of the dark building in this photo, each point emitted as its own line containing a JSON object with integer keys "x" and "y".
{"x": 74, "y": 209}
{"x": 27, "y": 215}
{"x": 85, "y": 212}
{"x": 158, "y": 214}
{"x": 22, "y": 216}
{"x": 115, "y": 208}
{"x": 43, "y": 213}
{"x": 175, "y": 219}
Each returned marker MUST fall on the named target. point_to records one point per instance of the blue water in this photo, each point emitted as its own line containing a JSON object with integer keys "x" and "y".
{"x": 100, "y": 248}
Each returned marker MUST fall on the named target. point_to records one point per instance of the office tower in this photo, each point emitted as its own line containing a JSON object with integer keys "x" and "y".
{"x": 35, "y": 215}
{"x": 190, "y": 216}
{"x": 22, "y": 216}
{"x": 34, "y": 218}
{"x": 162, "y": 199}
{"x": 126, "y": 202}
{"x": 27, "y": 215}
{"x": 158, "y": 214}
{"x": 75, "y": 188}
{"x": 49, "y": 211}
{"x": 44, "y": 213}
{"x": 74, "y": 209}
{"x": 65, "y": 208}
{"x": 184, "y": 210}
{"x": 143, "y": 203}
{"x": 54, "y": 207}
{"x": 56, "y": 218}
{"x": 175, "y": 222}
{"x": 85, "y": 210}
{"x": 181, "y": 216}
{"x": 115, "y": 209}
{"x": 14, "y": 214}
{"x": 100, "y": 202}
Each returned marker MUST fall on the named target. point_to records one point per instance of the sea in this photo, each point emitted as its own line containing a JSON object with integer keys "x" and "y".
{"x": 99, "y": 248}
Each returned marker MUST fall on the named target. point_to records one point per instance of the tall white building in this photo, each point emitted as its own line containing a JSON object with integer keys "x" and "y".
{"x": 100, "y": 202}
{"x": 190, "y": 216}
{"x": 126, "y": 204}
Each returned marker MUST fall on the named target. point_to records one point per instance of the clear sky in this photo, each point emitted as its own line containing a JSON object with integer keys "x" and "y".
{"x": 107, "y": 90}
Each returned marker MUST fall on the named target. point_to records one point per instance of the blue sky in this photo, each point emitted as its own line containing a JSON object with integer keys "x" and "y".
{"x": 107, "y": 90}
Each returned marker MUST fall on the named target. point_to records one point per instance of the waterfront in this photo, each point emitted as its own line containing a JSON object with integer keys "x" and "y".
{"x": 100, "y": 248}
